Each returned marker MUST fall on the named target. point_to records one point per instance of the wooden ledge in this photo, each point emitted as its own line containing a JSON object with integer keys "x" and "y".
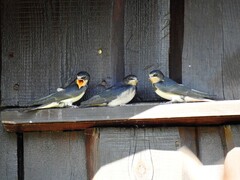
{"x": 202, "y": 113}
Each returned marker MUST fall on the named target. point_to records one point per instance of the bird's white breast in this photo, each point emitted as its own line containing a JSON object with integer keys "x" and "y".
{"x": 123, "y": 98}
{"x": 169, "y": 96}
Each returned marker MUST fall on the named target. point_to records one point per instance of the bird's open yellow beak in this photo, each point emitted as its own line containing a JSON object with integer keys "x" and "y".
{"x": 80, "y": 83}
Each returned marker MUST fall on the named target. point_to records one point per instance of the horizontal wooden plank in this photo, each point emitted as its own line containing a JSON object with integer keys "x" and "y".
{"x": 216, "y": 112}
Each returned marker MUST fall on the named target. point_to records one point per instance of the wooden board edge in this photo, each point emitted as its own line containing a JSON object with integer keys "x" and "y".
{"x": 81, "y": 125}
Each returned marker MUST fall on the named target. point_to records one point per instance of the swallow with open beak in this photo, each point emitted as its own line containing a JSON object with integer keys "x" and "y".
{"x": 65, "y": 97}
{"x": 170, "y": 90}
{"x": 119, "y": 94}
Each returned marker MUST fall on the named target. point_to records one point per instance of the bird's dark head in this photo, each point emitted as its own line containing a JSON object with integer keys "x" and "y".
{"x": 82, "y": 79}
{"x": 131, "y": 80}
{"x": 156, "y": 76}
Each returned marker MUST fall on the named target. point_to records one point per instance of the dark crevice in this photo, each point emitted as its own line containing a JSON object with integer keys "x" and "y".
{"x": 20, "y": 159}
{"x": 197, "y": 142}
{"x": 176, "y": 39}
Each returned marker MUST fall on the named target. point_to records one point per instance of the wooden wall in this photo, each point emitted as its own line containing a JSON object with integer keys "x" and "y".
{"x": 44, "y": 43}
{"x": 47, "y": 42}
{"x": 8, "y": 155}
{"x": 98, "y": 151}
{"x": 211, "y": 58}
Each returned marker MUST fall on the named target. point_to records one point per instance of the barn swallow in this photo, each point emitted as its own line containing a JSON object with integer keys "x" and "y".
{"x": 119, "y": 94}
{"x": 65, "y": 97}
{"x": 170, "y": 90}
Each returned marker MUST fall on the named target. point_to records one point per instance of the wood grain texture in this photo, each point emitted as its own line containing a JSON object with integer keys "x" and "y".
{"x": 211, "y": 149}
{"x": 211, "y": 45}
{"x": 134, "y": 149}
{"x": 117, "y": 40}
{"x": 8, "y": 155}
{"x": 203, "y": 46}
{"x": 146, "y": 41}
{"x": 227, "y": 138}
{"x": 205, "y": 113}
{"x": 235, "y": 129}
{"x": 189, "y": 138}
{"x": 54, "y": 155}
{"x": 46, "y": 43}
{"x": 231, "y": 47}
{"x": 91, "y": 143}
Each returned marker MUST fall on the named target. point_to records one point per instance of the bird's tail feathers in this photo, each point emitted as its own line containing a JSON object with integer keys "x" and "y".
{"x": 204, "y": 95}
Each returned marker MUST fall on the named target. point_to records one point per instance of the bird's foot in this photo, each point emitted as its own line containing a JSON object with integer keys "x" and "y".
{"x": 172, "y": 102}
{"x": 59, "y": 89}
{"x": 74, "y": 106}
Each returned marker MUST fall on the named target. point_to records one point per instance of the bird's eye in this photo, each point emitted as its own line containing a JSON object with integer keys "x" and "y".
{"x": 154, "y": 75}
{"x": 84, "y": 77}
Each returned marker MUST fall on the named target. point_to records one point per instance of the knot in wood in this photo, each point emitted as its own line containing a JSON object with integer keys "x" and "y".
{"x": 141, "y": 169}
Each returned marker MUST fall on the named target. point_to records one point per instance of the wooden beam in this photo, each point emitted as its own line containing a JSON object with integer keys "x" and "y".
{"x": 205, "y": 113}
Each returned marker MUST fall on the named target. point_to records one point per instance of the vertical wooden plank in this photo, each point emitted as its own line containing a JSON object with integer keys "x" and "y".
{"x": 47, "y": 42}
{"x": 189, "y": 139}
{"x": 146, "y": 41}
{"x": 203, "y": 46}
{"x": 135, "y": 149}
{"x": 211, "y": 149}
{"x": 231, "y": 46}
{"x": 30, "y": 68}
{"x": 8, "y": 155}
{"x": 236, "y": 135}
{"x": 227, "y": 138}
{"x": 54, "y": 155}
{"x": 117, "y": 40}
{"x": 92, "y": 140}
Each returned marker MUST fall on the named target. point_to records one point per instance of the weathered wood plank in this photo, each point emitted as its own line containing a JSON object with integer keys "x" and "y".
{"x": 211, "y": 44}
{"x": 204, "y": 113}
{"x": 134, "y": 149}
{"x": 54, "y": 155}
{"x": 203, "y": 46}
{"x": 227, "y": 138}
{"x": 91, "y": 143}
{"x": 146, "y": 41}
{"x": 211, "y": 150}
{"x": 117, "y": 41}
{"x": 231, "y": 42}
{"x": 8, "y": 155}
{"x": 189, "y": 139}
{"x": 46, "y": 43}
{"x": 236, "y": 135}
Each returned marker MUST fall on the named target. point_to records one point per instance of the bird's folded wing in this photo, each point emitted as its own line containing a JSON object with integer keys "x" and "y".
{"x": 59, "y": 96}
{"x": 180, "y": 89}
{"x": 105, "y": 97}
